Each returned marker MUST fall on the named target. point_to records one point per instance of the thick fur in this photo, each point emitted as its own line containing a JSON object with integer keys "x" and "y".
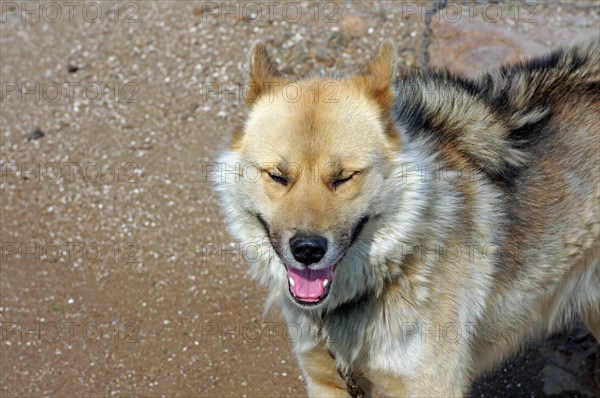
{"x": 471, "y": 224}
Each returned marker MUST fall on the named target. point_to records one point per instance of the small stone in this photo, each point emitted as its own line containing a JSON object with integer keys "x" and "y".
{"x": 354, "y": 26}
{"x": 35, "y": 134}
{"x": 321, "y": 53}
{"x": 302, "y": 69}
{"x": 324, "y": 56}
{"x": 72, "y": 68}
{"x": 278, "y": 40}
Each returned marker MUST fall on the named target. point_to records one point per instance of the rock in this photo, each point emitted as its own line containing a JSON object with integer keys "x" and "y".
{"x": 278, "y": 40}
{"x": 336, "y": 40}
{"x": 72, "y": 68}
{"x": 35, "y": 134}
{"x": 471, "y": 47}
{"x": 324, "y": 56}
{"x": 354, "y": 26}
{"x": 302, "y": 70}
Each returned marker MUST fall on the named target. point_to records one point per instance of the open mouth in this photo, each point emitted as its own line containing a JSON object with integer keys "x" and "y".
{"x": 310, "y": 286}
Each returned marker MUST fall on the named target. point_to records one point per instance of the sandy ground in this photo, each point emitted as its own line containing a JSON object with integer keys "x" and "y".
{"x": 117, "y": 276}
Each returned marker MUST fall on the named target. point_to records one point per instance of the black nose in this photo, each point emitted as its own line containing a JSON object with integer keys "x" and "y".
{"x": 308, "y": 249}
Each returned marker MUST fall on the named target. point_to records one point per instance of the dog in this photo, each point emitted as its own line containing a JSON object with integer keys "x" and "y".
{"x": 416, "y": 228}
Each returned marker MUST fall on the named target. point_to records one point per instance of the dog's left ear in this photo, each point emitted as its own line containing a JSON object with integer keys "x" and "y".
{"x": 263, "y": 74}
{"x": 378, "y": 76}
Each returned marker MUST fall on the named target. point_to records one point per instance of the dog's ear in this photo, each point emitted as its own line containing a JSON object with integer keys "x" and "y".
{"x": 378, "y": 76}
{"x": 263, "y": 74}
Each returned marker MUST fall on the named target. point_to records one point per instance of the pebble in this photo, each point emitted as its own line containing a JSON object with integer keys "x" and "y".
{"x": 36, "y": 134}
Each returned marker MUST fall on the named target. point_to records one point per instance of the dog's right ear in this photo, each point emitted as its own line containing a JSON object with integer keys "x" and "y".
{"x": 263, "y": 74}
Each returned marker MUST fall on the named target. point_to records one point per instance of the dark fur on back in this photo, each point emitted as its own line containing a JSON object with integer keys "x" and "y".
{"x": 488, "y": 123}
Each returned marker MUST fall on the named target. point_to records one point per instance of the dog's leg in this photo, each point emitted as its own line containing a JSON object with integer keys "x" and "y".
{"x": 321, "y": 374}
{"x": 389, "y": 385}
{"x": 590, "y": 308}
{"x": 443, "y": 371}
{"x": 421, "y": 385}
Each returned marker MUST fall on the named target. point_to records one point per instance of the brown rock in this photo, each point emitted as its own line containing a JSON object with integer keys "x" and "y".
{"x": 471, "y": 47}
{"x": 354, "y": 26}
{"x": 324, "y": 56}
{"x": 470, "y": 43}
{"x": 278, "y": 40}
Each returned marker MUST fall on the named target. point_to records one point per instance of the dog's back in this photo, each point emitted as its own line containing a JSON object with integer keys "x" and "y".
{"x": 554, "y": 198}
{"x": 533, "y": 129}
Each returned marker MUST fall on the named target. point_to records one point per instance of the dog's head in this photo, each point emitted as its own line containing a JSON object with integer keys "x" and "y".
{"x": 311, "y": 165}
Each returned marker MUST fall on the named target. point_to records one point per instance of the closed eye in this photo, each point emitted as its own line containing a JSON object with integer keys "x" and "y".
{"x": 278, "y": 179}
{"x": 337, "y": 182}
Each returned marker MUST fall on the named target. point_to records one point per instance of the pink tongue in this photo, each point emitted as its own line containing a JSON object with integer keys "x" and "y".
{"x": 308, "y": 283}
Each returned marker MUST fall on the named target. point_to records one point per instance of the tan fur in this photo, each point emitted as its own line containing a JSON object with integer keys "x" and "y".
{"x": 592, "y": 321}
{"x": 480, "y": 210}
{"x": 322, "y": 375}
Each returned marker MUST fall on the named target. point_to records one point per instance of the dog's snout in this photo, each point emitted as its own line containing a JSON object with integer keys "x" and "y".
{"x": 308, "y": 249}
